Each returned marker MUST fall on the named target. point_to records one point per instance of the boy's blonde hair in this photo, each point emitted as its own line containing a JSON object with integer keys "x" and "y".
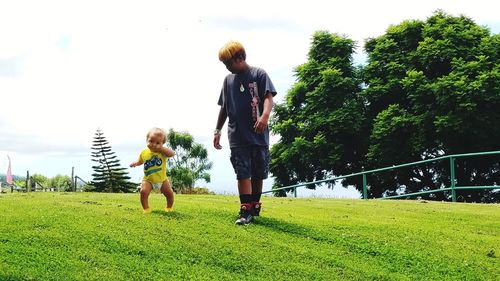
{"x": 231, "y": 50}
{"x": 156, "y": 130}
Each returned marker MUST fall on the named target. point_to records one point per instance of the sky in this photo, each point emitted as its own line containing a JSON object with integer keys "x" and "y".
{"x": 68, "y": 68}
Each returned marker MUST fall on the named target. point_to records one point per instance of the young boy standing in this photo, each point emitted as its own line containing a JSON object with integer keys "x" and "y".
{"x": 246, "y": 99}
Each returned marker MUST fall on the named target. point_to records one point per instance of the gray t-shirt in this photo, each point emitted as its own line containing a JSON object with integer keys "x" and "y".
{"x": 242, "y": 96}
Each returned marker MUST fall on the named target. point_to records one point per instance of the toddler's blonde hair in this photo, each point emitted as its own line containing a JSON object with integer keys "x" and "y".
{"x": 156, "y": 130}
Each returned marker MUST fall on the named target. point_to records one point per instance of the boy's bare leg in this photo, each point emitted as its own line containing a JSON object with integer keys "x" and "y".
{"x": 256, "y": 194}
{"x": 245, "y": 186}
{"x": 257, "y": 186}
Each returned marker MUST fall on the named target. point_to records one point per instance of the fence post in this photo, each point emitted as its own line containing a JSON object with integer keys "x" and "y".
{"x": 26, "y": 183}
{"x": 452, "y": 180}
{"x": 365, "y": 192}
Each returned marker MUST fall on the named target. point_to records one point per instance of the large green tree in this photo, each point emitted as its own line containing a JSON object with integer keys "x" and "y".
{"x": 322, "y": 117}
{"x": 433, "y": 89}
{"x": 190, "y": 162}
{"x": 429, "y": 88}
{"x": 108, "y": 174}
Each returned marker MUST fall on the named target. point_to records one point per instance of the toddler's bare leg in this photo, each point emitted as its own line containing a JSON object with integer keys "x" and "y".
{"x": 146, "y": 188}
{"x": 167, "y": 190}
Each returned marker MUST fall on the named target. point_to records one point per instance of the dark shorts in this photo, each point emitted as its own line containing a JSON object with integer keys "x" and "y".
{"x": 250, "y": 162}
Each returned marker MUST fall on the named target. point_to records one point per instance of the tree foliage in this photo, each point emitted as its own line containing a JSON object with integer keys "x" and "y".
{"x": 40, "y": 180}
{"x": 429, "y": 88}
{"x": 322, "y": 118}
{"x": 108, "y": 174}
{"x": 190, "y": 162}
{"x": 60, "y": 183}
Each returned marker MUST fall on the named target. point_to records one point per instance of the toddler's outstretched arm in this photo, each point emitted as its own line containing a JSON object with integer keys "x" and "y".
{"x": 136, "y": 163}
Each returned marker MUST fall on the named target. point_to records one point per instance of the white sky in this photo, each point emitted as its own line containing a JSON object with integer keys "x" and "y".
{"x": 70, "y": 67}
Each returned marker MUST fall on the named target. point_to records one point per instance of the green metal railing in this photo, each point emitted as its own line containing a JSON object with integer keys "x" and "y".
{"x": 453, "y": 188}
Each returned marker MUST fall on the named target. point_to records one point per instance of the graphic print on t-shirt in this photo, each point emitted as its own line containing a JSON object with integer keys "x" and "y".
{"x": 254, "y": 92}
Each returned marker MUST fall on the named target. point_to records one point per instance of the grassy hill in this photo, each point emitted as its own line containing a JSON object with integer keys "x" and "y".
{"x": 89, "y": 236}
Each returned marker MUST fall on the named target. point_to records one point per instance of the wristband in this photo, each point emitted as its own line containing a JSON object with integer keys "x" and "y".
{"x": 217, "y": 132}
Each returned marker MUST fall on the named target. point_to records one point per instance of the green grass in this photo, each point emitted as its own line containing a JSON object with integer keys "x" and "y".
{"x": 89, "y": 236}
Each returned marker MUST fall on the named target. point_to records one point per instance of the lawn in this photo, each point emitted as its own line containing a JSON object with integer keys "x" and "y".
{"x": 96, "y": 236}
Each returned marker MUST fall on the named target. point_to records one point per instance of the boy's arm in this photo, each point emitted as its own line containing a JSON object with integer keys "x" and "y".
{"x": 261, "y": 123}
{"x": 221, "y": 119}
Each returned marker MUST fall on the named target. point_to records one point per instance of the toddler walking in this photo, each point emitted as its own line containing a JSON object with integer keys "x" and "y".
{"x": 154, "y": 158}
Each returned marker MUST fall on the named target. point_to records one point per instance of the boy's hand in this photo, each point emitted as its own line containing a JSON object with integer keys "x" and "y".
{"x": 217, "y": 141}
{"x": 261, "y": 124}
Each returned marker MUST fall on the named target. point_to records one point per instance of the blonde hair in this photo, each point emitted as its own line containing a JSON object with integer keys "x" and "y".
{"x": 159, "y": 131}
{"x": 231, "y": 50}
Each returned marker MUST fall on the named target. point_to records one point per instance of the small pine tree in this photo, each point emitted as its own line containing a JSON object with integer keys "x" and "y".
{"x": 109, "y": 176}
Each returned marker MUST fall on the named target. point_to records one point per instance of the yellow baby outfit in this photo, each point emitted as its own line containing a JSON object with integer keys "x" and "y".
{"x": 155, "y": 166}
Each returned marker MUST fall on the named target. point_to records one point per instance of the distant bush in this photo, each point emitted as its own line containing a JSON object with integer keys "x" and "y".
{"x": 195, "y": 190}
